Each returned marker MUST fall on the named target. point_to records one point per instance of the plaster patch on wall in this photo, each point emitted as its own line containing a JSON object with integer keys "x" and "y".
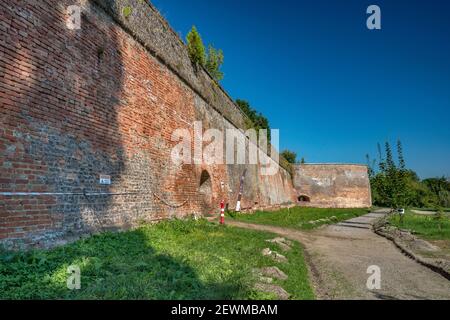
{"x": 333, "y": 185}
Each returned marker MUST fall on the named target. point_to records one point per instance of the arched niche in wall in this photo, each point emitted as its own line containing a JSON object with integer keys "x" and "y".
{"x": 304, "y": 199}
{"x": 205, "y": 190}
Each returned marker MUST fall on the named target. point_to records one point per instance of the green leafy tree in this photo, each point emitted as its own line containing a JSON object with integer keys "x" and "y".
{"x": 387, "y": 186}
{"x": 395, "y": 185}
{"x": 382, "y": 184}
{"x": 196, "y": 48}
{"x": 214, "y": 63}
{"x": 402, "y": 189}
{"x": 290, "y": 156}
{"x": 390, "y": 164}
{"x": 255, "y": 119}
{"x": 401, "y": 158}
{"x": 394, "y": 182}
{"x": 440, "y": 191}
{"x": 370, "y": 166}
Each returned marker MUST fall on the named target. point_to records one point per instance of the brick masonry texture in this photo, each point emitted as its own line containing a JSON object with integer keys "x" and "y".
{"x": 105, "y": 100}
{"x": 333, "y": 185}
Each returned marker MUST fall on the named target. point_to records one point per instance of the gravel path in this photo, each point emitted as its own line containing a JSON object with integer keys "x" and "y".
{"x": 339, "y": 256}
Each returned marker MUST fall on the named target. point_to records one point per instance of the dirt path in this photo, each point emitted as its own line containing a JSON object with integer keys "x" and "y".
{"x": 339, "y": 256}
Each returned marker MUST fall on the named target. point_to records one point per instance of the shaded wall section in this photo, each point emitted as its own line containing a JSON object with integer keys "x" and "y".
{"x": 332, "y": 186}
{"x": 79, "y": 105}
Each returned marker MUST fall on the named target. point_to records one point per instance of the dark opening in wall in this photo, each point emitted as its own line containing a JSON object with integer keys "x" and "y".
{"x": 206, "y": 192}
{"x": 205, "y": 179}
{"x": 304, "y": 198}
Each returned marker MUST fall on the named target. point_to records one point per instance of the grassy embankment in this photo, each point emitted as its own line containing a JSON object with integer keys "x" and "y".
{"x": 171, "y": 260}
{"x": 427, "y": 226}
{"x": 299, "y": 217}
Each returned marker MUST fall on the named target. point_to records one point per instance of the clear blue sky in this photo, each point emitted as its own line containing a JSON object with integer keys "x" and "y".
{"x": 332, "y": 87}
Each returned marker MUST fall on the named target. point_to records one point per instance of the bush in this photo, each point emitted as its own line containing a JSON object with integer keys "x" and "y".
{"x": 290, "y": 156}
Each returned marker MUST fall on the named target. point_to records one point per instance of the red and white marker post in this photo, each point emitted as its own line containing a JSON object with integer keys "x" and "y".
{"x": 222, "y": 212}
{"x": 241, "y": 191}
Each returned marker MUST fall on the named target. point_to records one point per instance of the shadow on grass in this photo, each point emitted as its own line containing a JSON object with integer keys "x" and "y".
{"x": 113, "y": 266}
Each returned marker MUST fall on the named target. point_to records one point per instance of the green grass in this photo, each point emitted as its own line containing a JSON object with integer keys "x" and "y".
{"x": 431, "y": 209}
{"x": 426, "y": 226}
{"x": 171, "y": 260}
{"x": 299, "y": 217}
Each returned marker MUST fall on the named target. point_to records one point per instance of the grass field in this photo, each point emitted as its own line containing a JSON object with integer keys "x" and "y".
{"x": 171, "y": 260}
{"x": 426, "y": 226}
{"x": 299, "y": 217}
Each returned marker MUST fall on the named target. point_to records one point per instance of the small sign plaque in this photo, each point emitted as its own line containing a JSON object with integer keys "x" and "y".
{"x": 105, "y": 180}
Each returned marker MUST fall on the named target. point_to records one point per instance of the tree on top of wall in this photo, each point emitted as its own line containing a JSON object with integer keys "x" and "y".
{"x": 255, "y": 119}
{"x": 290, "y": 156}
{"x": 196, "y": 48}
{"x": 214, "y": 62}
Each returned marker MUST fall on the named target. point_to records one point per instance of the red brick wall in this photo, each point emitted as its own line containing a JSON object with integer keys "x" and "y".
{"x": 77, "y": 104}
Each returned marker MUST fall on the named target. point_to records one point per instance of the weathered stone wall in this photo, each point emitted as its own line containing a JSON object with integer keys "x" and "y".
{"x": 156, "y": 35}
{"x": 332, "y": 185}
{"x": 105, "y": 100}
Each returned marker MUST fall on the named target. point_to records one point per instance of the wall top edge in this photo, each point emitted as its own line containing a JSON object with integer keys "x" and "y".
{"x": 332, "y": 164}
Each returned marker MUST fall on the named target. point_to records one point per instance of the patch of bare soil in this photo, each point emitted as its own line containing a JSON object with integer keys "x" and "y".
{"x": 424, "y": 213}
{"x": 339, "y": 257}
{"x": 433, "y": 253}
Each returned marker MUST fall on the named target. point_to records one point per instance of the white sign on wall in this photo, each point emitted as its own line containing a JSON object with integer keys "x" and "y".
{"x": 105, "y": 180}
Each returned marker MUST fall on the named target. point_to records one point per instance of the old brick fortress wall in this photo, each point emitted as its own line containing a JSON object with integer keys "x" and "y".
{"x": 105, "y": 100}
{"x": 333, "y": 185}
